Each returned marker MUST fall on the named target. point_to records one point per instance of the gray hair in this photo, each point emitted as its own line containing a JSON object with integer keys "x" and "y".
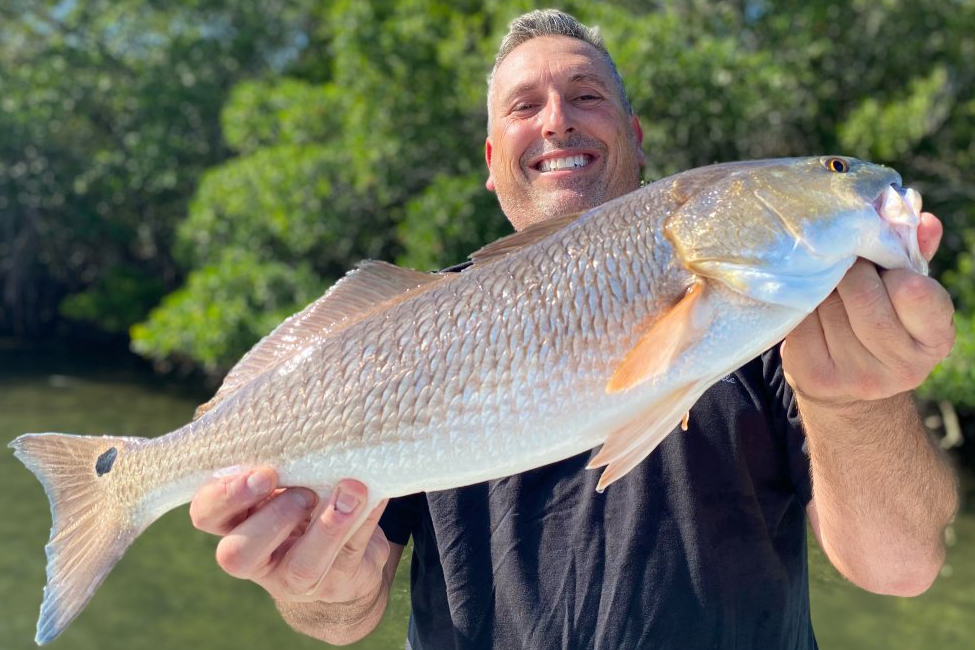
{"x": 552, "y": 22}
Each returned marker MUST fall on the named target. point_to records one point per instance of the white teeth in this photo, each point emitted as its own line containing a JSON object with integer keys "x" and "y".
{"x": 569, "y": 162}
{"x": 900, "y": 209}
{"x": 902, "y": 212}
{"x": 914, "y": 198}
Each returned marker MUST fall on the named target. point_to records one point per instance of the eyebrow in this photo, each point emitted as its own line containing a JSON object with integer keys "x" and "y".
{"x": 590, "y": 78}
{"x": 579, "y": 77}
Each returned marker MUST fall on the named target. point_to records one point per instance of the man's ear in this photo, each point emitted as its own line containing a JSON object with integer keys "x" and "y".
{"x": 638, "y": 134}
{"x": 489, "y": 183}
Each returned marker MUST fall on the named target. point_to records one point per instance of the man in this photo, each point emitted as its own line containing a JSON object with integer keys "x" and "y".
{"x": 703, "y": 544}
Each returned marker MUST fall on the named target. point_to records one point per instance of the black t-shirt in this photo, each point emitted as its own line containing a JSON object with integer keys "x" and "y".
{"x": 701, "y": 546}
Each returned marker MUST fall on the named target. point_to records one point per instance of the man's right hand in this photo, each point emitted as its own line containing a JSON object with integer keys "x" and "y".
{"x": 270, "y": 537}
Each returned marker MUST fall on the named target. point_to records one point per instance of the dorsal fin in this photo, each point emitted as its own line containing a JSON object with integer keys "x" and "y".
{"x": 363, "y": 290}
{"x": 533, "y": 233}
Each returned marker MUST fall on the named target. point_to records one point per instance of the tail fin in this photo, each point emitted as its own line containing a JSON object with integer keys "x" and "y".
{"x": 94, "y": 521}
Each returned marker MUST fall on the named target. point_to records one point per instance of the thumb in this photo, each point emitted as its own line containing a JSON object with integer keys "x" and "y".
{"x": 929, "y": 234}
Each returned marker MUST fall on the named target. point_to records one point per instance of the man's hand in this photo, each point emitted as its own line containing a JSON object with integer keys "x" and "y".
{"x": 270, "y": 537}
{"x": 879, "y": 334}
{"x": 882, "y": 493}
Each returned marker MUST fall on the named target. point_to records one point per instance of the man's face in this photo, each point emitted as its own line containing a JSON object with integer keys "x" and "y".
{"x": 560, "y": 140}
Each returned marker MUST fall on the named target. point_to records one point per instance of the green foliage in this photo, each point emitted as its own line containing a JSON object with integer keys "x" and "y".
{"x": 280, "y": 111}
{"x": 441, "y": 225}
{"x": 892, "y": 130}
{"x": 120, "y": 296}
{"x": 953, "y": 379}
{"x": 161, "y": 140}
{"x": 108, "y": 115}
{"x": 339, "y": 164}
{"x": 245, "y": 298}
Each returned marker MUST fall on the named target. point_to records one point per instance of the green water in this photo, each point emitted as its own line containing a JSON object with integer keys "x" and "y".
{"x": 167, "y": 591}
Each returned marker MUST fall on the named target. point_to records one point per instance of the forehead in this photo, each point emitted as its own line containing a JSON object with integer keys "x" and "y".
{"x": 550, "y": 59}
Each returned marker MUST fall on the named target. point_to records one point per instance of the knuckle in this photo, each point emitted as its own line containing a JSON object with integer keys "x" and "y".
{"x": 902, "y": 370}
{"x": 813, "y": 377}
{"x": 944, "y": 347}
{"x": 300, "y": 576}
{"x": 869, "y": 385}
{"x": 205, "y": 513}
{"x": 197, "y": 516}
{"x": 357, "y": 544}
{"x": 347, "y": 561}
{"x": 330, "y": 593}
{"x": 939, "y": 348}
{"x": 231, "y": 557}
{"x": 943, "y": 311}
{"x": 866, "y": 295}
{"x": 914, "y": 289}
{"x": 382, "y": 549}
{"x": 228, "y": 488}
{"x": 331, "y": 526}
{"x": 908, "y": 377}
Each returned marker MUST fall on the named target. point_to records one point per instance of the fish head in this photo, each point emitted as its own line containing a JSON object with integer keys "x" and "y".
{"x": 768, "y": 228}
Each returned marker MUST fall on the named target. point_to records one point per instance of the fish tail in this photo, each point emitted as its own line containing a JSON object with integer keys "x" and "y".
{"x": 95, "y": 516}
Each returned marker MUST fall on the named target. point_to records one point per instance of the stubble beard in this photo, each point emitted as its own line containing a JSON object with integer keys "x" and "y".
{"x": 534, "y": 203}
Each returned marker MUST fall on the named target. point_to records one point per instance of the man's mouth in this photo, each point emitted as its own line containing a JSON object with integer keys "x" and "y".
{"x": 567, "y": 162}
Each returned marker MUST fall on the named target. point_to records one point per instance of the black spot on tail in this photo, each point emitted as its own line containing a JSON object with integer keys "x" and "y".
{"x": 104, "y": 463}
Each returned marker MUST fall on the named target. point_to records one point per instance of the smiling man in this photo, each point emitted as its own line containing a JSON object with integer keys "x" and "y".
{"x": 561, "y": 135}
{"x": 700, "y": 546}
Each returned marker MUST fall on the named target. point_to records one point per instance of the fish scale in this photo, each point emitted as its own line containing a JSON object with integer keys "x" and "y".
{"x": 597, "y": 329}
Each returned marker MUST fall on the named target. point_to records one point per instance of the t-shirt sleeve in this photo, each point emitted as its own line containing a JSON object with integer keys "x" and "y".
{"x": 401, "y": 517}
{"x": 785, "y": 417}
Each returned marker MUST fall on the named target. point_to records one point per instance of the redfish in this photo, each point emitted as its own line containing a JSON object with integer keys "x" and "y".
{"x": 601, "y": 328}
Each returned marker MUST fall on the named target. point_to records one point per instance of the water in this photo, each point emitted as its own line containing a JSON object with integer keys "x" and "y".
{"x": 167, "y": 592}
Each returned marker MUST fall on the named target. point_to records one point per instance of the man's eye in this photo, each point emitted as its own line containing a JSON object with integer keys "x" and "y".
{"x": 589, "y": 97}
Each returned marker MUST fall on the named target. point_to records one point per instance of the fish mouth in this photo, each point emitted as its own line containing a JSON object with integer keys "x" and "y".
{"x": 901, "y": 209}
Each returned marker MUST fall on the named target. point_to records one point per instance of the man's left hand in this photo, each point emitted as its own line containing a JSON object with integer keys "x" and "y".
{"x": 880, "y": 333}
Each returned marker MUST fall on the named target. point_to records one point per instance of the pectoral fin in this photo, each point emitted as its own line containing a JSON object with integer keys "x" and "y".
{"x": 665, "y": 339}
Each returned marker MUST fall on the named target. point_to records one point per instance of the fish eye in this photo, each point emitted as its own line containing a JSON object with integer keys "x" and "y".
{"x": 838, "y": 165}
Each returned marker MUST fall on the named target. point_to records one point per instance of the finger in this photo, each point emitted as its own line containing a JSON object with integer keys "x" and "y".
{"x": 873, "y": 323}
{"x": 851, "y": 364}
{"x": 246, "y": 551}
{"x": 925, "y": 310}
{"x": 929, "y": 235}
{"x": 804, "y": 352}
{"x": 310, "y": 557}
{"x": 351, "y": 555}
{"x": 219, "y": 503}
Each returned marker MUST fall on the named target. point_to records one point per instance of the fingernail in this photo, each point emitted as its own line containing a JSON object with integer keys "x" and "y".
{"x": 259, "y": 483}
{"x": 227, "y": 471}
{"x": 345, "y": 503}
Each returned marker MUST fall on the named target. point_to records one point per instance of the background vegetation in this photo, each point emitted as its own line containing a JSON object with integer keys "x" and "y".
{"x": 179, "y": 175}
{"x": 190, "y": 172}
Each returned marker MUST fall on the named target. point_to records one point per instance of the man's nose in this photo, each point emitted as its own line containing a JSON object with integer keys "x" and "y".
{"x": 556, "y": 118}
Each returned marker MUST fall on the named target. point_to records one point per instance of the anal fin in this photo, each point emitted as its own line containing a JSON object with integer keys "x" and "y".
{"x": 680, "y": 328}
{"x": 626, "y": 446}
